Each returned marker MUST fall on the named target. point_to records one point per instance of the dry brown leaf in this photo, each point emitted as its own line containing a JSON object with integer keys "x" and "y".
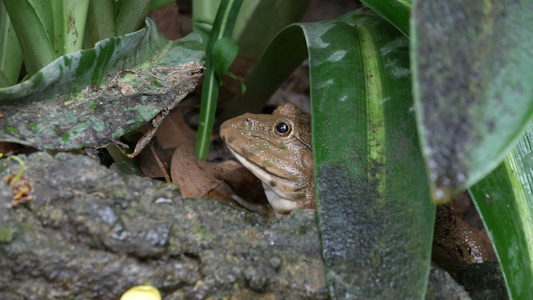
{"x": 197, "y": 178}
{"x": 245, "y": 184}
{"x": 149, "y": 165}
{"x": 172, "y": 133}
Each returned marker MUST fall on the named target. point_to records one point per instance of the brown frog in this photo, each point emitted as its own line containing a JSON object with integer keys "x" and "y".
{"x": 277, "y": 149}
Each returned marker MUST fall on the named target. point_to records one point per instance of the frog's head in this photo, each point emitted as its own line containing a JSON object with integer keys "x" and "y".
{"x": 276, "y": 148}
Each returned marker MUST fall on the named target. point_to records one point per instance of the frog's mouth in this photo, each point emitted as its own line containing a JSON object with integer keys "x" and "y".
{"x": 280, "y": 185}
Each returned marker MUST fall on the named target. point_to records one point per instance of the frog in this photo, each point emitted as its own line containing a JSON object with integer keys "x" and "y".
{"x": 277, "y": 149}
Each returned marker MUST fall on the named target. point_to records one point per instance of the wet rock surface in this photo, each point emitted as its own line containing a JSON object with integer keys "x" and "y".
{"x": 91, "y": 233}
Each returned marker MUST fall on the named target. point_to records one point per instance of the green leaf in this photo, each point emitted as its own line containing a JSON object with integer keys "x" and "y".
{"x": 472, "y": 67}
{"x": 131, "y": 15}
{"x": 224, "y": 52}
{"x": 395, "y": 11}
{"x": 260, "y": 21}
{"x": 59, "y": 22}
{"x": 74, "y": 24}
{"x": 160, "y": 3}
{"x": 10, "y": 53}
{"x": 69, "y": 25}
{"x": 203, "y": 17}
{"x": 505, "y": 201}
{"x": 223, "y": 27}
{"x": 34, "y": 26}
{"x": 100, "y": 23}
{"x": 284, "y": 54}
{"x": 254, "y": 28}
{"x": 375, "y": 215}
{"x": 87, "y": 98}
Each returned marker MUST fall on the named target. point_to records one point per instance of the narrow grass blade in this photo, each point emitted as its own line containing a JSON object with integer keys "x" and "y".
{"x": 223, "y": 27}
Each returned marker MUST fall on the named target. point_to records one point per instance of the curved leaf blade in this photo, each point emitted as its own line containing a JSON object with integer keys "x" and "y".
{"x": 100, "y": 23}
{"x": 33, "y": 25}
{"x": 255, "y": 29}
{"x": 74, "y": 32}
{"x": 505, "y": 201}
{"x": 375, "y": 215}
{"x": 473, "y": 66}
{"x": 131, "y": 15}
{"x": 395, "y": 11}
{"x": 10, "y": 53}
{"x": 283, "y": 55}
{"x": 88, "y": 98}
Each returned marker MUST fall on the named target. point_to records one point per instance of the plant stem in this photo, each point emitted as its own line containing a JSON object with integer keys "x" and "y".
{"x": 222, "y": 27}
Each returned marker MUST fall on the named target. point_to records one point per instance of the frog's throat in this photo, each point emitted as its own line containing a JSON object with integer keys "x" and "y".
{"x": 269, "y": 178}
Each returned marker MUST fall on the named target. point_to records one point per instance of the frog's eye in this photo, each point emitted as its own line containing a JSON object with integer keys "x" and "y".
{"x": 283, "y": 128}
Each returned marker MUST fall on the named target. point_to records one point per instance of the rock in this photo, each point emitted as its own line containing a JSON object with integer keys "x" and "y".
{"x": 442, "y": 286}
{"x": 91, "y": 233}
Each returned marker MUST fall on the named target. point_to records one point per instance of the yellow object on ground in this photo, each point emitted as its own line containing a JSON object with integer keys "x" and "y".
{"x": 141, "y": 292}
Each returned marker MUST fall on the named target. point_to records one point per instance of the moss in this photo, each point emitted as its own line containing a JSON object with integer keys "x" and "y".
{"x": 6, "y": 234}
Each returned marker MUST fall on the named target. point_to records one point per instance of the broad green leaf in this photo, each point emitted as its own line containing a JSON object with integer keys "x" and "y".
{"x": 395, "y": 11}
{"x": 10, "y": 53}
{"x": 33, "y": 24}
{"x": 222, "y": 27}
{"x": 473, "y": 66}
{"x": 505, "y": 202}
{"x": 87, "y": 98}
{"x": 375, "y": 214}
{"x": 224, "y": 53}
